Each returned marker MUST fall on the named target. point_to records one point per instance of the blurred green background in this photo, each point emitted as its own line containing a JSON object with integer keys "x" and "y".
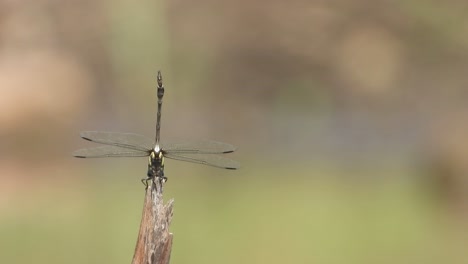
{"x": 350, "y": 120}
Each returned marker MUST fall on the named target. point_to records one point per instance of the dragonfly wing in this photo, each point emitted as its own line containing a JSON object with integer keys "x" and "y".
{"x": 207, "y": 159}
{"x": 124, "y": 140}
{"x": 199, "y": 147}
{"x": 109, "y": 151}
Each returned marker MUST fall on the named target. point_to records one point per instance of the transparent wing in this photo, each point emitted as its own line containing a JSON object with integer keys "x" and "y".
{"x": 124, "y": 140}
{"x": 207, "y": 159}
{"x": 109, "y": 151}
{"x": 199, "y": 147}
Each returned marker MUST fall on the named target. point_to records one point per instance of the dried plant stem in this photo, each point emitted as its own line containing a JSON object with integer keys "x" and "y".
{"x": 154, "y": 240}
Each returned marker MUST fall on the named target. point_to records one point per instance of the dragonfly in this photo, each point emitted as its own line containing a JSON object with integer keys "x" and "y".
{"x": 118, "y": 144}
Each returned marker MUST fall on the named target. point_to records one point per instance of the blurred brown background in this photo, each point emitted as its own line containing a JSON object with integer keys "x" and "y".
{"x": 350, "y": 120}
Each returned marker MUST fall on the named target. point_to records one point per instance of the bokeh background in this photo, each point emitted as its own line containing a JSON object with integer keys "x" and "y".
{"x": 350, "y": 119}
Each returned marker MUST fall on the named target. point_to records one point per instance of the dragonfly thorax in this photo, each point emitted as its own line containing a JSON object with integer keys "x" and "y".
{"x": 156, "y": 164}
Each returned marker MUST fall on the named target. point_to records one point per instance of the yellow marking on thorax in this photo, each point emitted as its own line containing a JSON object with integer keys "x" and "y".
{"x": 161, "y": 157}
{"x": 150, "y": 158}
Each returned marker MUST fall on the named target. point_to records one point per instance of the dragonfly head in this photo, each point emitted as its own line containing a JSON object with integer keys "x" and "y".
{"x": 156, "y": 148}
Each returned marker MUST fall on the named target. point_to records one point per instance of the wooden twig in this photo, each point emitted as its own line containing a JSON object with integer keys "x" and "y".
{"x": 154, "y": 242}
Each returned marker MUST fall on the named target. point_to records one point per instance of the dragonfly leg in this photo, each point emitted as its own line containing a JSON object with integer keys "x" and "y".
{"x": 149, "y": 177}
{"x": 152, "y": 175}
{"x": 145, "y": 182}
{"x": 161, "y": 177}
